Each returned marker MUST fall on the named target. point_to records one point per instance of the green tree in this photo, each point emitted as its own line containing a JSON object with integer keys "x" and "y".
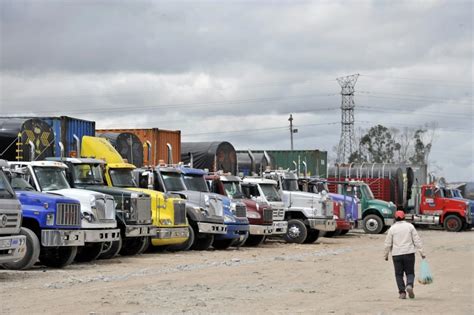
{"x": 379, "y": 145}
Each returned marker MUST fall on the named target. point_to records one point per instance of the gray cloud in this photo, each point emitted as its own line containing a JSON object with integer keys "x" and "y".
{"x": 208, "y": 67}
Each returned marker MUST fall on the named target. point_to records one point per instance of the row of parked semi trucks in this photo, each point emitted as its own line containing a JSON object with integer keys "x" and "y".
{"x": 67, "y": 209}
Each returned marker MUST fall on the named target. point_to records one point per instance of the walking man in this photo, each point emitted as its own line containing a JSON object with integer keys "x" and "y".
{"x": 403, "y": 241}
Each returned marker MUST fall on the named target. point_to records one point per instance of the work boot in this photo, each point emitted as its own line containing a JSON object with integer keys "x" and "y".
{"x": 402, "y": 295}
{"x": 411, "y": 294}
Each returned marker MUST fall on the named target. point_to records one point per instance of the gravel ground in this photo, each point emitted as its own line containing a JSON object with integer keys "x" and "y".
{"x": 343, "y": 275}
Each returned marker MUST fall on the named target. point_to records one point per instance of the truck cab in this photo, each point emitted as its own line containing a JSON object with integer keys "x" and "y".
{"x": 259, "y": 214}
{"x": 133, "y": 209}
{"x": 346, "y": 207}
{"x": 51, "y": 224}
{"x": 456, "y": 194}
{"x": 97, "y": 209}
{"x": 307, "y": 213}
{"x": 168, "y": 212}
{"x": 12, "y": 237}
{"x": 433, "y": 208}
{"x": 376, "y": 216}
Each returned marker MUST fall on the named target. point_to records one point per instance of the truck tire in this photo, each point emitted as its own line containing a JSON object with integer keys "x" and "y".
{"x": 297, "y": 232}
{"x": 202, "y": 242}
{"x": 131, "y": 246}
{"x": 344, "y": 232}
{"x": 89, "y": 252}
{"x": 241, "y": 240}
{"x": 145, "y": 245}
{"x": 58, "y": 257}
{"x": 183, "y": 246}
{"x": 254, "y": 240}
{"x": 111, "y": 249}
{"x": 452, "y": 223}
{"x": 312, "y": 236}
{"x": 32, "y": 252}
{"x": 372, "y": 224}
{"x": 222, "y": 244}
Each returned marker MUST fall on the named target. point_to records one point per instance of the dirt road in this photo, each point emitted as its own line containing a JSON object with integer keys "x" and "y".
{"x": 344, "y": 275}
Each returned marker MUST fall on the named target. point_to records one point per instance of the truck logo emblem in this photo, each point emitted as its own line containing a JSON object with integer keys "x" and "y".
{"x": 3, "y": 221}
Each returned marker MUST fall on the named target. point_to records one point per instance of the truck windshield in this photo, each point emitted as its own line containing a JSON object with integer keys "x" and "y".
{"x": 290, "y": 184}
{"x": 88, "y": 174}
{"x": 173, "y": 181}
{"x": 51, "y": 178}
{"x": 5, "y": 189}
{"x": 195, "y": 183}
{"x": 233, "y": 189}
{"x": 122, "y": 177}
{"x": 319, "y": 187}
{"x": 270, "y": 192}
{"x": 367, "y": 192}
{"x": 19, "y": 183}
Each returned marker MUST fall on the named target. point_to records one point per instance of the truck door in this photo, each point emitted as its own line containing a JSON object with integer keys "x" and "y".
{"x": 430, "y": 201}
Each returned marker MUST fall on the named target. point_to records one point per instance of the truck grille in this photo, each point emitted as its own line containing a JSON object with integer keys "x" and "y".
{"x": 105, "y": 209}
{"x": 13, "y": 221}
{"x": 216, "y": 207}
{"x": 267, "y": 215}
{"x": 240, "y": 211}
{"x": 141, "y": 209}
{"x": 68, "y": 214}
{"x": 179, "y": 212}
{"x": 278, "y": 214}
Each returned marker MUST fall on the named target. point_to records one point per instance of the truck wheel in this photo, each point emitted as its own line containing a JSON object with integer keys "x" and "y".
{"x": 145, "y": 245}
{"x": 58, "y": 257}
{"x": 384, "y": 229}
{"x": 297, "y": 232}
{"x": 313, "y": 235}
{"x": 254, "y": 240}
{"x": 111, "y": 249}
{"x": 452, "y": 223}
{"x": 202, "y": 242}
{"x": 88, "y": 252}
{"x": 186, "y": 245}
{"x": 241, "y": 240}
{"x": 372, "y": 224}
{"x": 131, "y": 246}
{"x": 344, "y": 232}
{"x": 222, "y": 244}
{"x": 32, "y": 252}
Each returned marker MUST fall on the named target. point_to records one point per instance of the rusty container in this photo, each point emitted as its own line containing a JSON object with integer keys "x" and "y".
{"x": 158, "y": 144}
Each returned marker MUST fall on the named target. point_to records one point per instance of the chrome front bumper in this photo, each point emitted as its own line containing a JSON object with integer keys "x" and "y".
{"x": 12, "y": 248}
{"x": 260, "y": 229}
{"x": 322, "y": 224}
{"x": 212, "y": 228}
{"x": 98, "y": 236}
{"x": 388, "y": 221}
{"x": 167, "y": 233}
{"x": 140, "y": 230}
{"x": 50, "y": 238}
{"x": 280, "y": 227}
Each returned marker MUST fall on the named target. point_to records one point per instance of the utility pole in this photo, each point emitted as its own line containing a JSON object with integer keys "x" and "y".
{"x": 292, "y": 131}
{"x": 347, "y": 141}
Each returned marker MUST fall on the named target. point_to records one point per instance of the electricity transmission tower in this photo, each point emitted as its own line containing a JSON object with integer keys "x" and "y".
{"x": 347, "y": 141}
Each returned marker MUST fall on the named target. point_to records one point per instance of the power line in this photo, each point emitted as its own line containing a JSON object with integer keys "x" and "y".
{"x": 431, "y": 80}
{"x": 409, "y": 97}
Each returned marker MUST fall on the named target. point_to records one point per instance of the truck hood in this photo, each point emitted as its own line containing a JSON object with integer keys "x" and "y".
{"x": 113, "y": 191}
{"x": 377, "y": 203}
{"x": 80, "y": 194}
{"x": 301, "y": 199}
{"x": 34, "y": 197}
{"x": 199, "y": 198}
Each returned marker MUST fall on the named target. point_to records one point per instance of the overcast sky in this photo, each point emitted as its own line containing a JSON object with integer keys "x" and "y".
{"x": 235, "y": 70}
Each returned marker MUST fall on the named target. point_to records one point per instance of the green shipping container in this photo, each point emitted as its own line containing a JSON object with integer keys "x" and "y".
{"x": 316, "y": 160}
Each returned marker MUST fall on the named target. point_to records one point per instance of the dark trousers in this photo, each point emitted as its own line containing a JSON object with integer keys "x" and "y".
{"x": 404, "y": 264}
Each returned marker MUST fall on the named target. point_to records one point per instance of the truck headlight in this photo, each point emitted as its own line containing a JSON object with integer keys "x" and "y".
{"x": 229, "y": 218}
{"x": 165, "y": 222}
{"x": 386, "y": 211}
{"x": 253, "y": 215}
{"x": 50, "y": 219}
{"x": 89, "y": 217}
{"x": 233, "y": 207}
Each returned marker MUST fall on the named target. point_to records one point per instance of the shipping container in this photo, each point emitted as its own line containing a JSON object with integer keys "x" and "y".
{"x": 127, "y": 144}
{"x": 69, "y": 131}
{"x": 315, "y": 160}
{"x": 214, "y": 156}
{"x": 24, "y": 139}
{"x": 157, "y": 144}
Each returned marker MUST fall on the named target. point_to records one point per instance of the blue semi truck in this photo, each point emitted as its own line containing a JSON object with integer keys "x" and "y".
{"x": 51, "y": 225}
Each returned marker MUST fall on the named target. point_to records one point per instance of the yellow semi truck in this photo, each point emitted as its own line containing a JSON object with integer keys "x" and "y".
{"x": 168, "y": 212}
